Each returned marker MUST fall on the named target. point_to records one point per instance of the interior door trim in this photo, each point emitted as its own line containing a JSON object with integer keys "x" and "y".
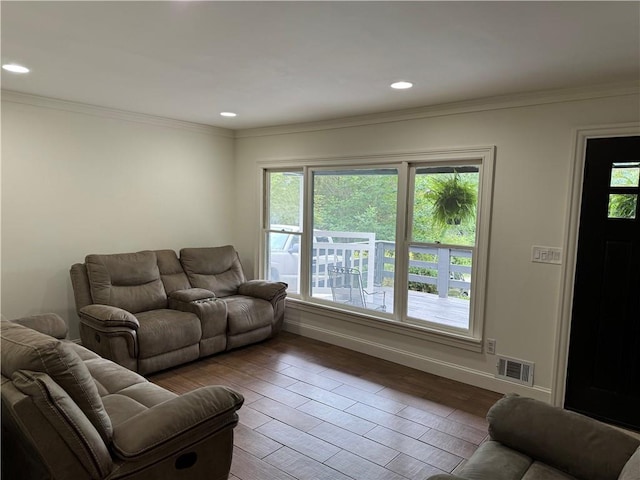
{"x": 563, "y": 327}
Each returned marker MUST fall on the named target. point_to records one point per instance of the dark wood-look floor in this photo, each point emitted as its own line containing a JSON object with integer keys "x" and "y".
{"x": 314, "y": 411}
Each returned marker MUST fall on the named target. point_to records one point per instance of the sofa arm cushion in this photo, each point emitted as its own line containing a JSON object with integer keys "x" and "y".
{"x": 182, "y": 420}
{"x": 110, "y": 316}
{"x": 263, "y": 289}
{"x": 565, "y": 440}
{"x": 47, "y": 323}
{"x": 192, "y": 295}
{"x": 67, "y": 419}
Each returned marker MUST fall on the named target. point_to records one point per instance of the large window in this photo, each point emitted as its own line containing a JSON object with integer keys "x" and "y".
{"x": 402, "y": 239}
{"x": 354, "y": 225}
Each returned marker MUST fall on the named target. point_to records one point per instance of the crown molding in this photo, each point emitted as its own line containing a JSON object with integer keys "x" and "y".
{"x": 95, "y": 110}
{"x": 456, "y": 108}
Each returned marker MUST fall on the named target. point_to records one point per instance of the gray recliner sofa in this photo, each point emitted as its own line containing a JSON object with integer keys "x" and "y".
{"x": 531, "y": 440}
{"x": 151, "y": 310}
{"x": 69, "y": 414}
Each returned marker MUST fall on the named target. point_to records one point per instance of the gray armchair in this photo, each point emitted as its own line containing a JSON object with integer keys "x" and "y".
{"x": 531, "y": 440}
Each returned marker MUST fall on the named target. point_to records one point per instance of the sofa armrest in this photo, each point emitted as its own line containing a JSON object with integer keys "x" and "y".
{"x": 48, "y": 323}
{"x": 109, "y": 316}
{"x": 211, "y": 312}
{"x": 270, "y": 291}
{"x": 566, "y": 440}
{"x": 192, "y": 295}
{"x": 173, "y": 424}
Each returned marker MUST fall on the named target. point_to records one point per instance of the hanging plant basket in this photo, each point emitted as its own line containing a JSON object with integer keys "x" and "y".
{"x": 453, "y": 200}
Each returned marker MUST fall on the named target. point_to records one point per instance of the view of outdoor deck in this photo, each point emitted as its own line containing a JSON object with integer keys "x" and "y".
{"x": 355, "y": 270}
{"x": 450, "y": 311}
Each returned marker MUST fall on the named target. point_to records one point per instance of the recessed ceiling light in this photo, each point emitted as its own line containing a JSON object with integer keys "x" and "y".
{"x": 228, "y": 114}
{"x": 401, "y": 85}
{"x": 12, "y": 67}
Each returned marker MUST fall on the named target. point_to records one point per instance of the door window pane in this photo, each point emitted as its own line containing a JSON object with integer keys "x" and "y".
{"x": 353, "y": 251}
{"x": 625, "y": 174}
{"x": 623, "y": 205}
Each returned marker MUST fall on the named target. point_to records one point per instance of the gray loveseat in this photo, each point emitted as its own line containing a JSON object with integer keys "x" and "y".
{"x": 531, "y": 440}
{"x": 69, "y": 414}
{"x": 151, "y": 310}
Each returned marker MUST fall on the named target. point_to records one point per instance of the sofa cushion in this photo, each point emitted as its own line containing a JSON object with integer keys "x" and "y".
{"x": 216, "y": 268}
{"x": 497, "y": 462}
{"x": 48, "y": 323}
{"x": 27, "y": 349}
{"x": 171, "y": 271}
{"x": 164, "y": 331}
{"x": 110, "y": 377}
{"x": 541, "y": 471}
{"x": 247, "y": 313}
{"x": 631, "y": 470}
{"x": 130, "y": 281}
{"x": 69, "y": 421}
{"x": 568, "y": 441}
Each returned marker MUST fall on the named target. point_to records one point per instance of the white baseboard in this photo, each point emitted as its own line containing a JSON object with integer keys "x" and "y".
{"x": 420, "y": 362}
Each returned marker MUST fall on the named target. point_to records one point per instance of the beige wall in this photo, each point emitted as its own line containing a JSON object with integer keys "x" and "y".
{"x": 534, "y": 154}
{"x": 77, "y": 183}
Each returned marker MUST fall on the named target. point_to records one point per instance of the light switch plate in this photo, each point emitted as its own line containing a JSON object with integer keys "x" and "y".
{"x": 551, "y": 255}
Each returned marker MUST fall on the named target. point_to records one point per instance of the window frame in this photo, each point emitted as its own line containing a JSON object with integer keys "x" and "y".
{"x": 409, "y": 242}
{"x": 398, "y": 322}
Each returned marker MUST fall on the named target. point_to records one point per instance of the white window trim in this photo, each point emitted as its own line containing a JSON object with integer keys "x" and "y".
{"x": 484, "y": 155}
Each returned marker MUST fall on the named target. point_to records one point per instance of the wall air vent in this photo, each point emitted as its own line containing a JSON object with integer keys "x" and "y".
{"x": 515, "y": 370}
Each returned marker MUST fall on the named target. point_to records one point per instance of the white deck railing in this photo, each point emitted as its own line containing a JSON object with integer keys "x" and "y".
{"x": 361, "y": 250}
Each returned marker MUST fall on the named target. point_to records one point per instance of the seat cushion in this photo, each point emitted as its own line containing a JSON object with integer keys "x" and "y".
{"x": 124, "y": 393}
{"x": 130, "y": 281}
{"x": 247, "y": 313}
{"x": 163, "y": 331}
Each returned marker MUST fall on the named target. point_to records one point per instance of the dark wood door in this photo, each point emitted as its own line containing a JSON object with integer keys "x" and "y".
{"x": 603, "y": 377}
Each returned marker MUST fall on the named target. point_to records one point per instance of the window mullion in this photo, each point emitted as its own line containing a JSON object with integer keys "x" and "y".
{"x": 306, "y": 239}
{"x": 402, "y": 242}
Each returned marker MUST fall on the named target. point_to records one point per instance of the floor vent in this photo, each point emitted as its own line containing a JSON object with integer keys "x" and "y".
{"x": 515, "y": 370}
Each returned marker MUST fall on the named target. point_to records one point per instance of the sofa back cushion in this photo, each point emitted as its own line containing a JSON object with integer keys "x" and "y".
{"x": 215, "y": 268}
{"x": 27, "y": 349}
{"x": 130, "y": 281}
{"x": 171, "y": 272}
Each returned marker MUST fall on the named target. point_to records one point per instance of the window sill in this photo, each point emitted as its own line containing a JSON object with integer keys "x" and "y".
{"x": 451, "y": 339}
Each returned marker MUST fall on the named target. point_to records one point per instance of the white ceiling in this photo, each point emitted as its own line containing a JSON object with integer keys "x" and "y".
{"x": 278, "y": 63}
